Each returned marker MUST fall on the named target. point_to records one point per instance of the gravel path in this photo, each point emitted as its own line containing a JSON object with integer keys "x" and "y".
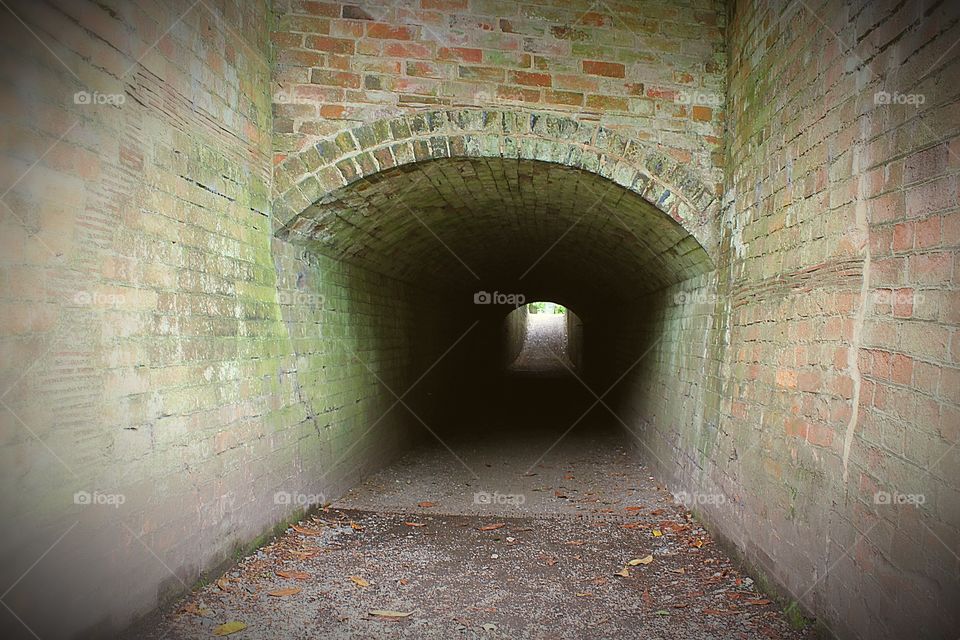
{"x": 502, "y": 543}
{"x": 545, "y": 349}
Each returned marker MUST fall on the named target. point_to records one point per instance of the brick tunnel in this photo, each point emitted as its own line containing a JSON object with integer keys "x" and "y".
{"x": 270, "y": 369}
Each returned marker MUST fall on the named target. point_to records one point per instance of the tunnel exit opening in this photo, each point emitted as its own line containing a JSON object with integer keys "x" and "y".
{"x": 543, "y": 338}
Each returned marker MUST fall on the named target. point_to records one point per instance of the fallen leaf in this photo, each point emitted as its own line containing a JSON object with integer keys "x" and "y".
{"x": 568, "y": 477}
{"x": 227, "y": 628}
{"x": 633, "y": 509}
{"x": 574, "y": 543}
{"x": 645, "y": 596}
{"x": 415, "y": 524}
{"x": 304, "y": 554}
{"x": 661, "y": 612}
{"x": 360, "y": 582}
{"x": 585, "y": 594}
{"x": 657, "y": 533}
{"x": 644, "y": 560}
{"x": 355, "y": 526}
{"x": 425, "y": 505}
{"x": 623, "y": 572}
{"x": 761, "y": 601}
{"x": 285, "y": 591}
{"x": 386, "y": 613}
{"x": 491, "y": 527}
{"x": 681, "y": 570}
{"x": 403, "y": 581}
{"x": 656, "y": 512}
{"x": 307, "y": 531}
{"x": 224, "y": 584}
{"x": 294, "y": 574}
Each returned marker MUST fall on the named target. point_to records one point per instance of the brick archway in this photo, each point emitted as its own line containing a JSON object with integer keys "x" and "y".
{"x": 362, "y": 152}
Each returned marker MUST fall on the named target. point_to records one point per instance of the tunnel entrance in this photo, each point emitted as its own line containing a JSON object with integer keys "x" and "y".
{"x": 438, "y": 223}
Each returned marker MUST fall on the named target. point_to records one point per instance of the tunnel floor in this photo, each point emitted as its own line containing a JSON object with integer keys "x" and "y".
{"x": 508, "y": 531}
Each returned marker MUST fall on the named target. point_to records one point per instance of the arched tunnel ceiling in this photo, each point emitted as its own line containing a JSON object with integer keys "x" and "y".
{"x": 532, "y": 227}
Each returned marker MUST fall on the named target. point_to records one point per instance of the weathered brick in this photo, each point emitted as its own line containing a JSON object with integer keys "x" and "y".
{"x": 599, "y": 68}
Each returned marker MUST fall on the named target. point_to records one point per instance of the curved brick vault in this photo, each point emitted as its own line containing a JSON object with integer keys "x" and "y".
{"x": 389, "y": 194}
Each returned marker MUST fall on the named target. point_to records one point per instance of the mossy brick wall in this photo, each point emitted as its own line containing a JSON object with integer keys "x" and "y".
{"x": 653, "y": 70}
{"x": 834, "y": 319}
{"x": 158, "y": 343}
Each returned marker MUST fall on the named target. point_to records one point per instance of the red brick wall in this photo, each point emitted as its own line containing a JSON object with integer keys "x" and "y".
{"x": 652, "y": 69}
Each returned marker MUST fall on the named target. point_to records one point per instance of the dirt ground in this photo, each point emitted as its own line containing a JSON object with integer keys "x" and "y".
{"x": 506, "y": 536}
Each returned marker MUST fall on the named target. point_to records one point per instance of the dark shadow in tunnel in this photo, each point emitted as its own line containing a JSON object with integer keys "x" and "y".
{"x": 526, "y": 376}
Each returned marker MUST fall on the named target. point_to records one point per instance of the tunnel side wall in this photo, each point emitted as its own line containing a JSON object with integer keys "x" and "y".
{"x": 805, "y": 400}
{"x": 514, "y": 334}
{"x": 175, "y": 381}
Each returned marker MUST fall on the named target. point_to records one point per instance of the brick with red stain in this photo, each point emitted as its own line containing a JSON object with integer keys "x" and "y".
{"x": 608, "y": 69}
{"x": 407, "y": 50}
{"x": 332, "y": 111}
{"x": 661, "y": 93}
{"x": 530, "y": 79}
{"x": 390, "y": 32}
{"x": 702, "y": 114}
{"x": 462, "y": 54}
{"x": 329, "y": 9}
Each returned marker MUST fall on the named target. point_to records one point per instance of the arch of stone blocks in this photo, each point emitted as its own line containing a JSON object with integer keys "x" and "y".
{"x": 319, "y": 172}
